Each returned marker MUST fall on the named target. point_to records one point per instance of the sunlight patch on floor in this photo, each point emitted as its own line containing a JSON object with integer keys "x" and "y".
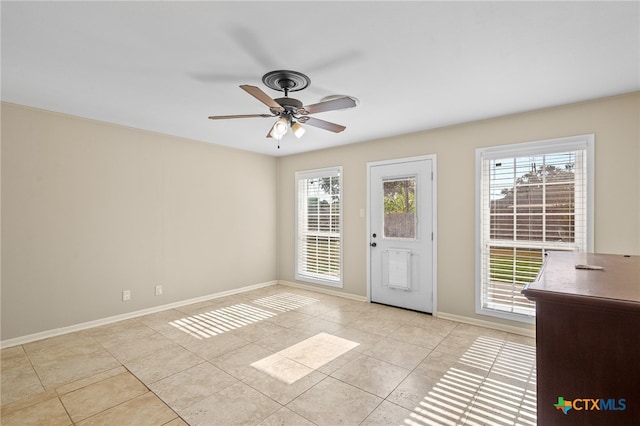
{"x": 212, "y": 323}
{"x": 284, "y": 302}
{"x": 295, "y": 362}
{"x": 506, "y": 396}
{"x": 482, "y": 354}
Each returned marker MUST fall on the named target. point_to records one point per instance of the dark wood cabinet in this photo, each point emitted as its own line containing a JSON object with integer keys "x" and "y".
{"x": 587, "y": 339}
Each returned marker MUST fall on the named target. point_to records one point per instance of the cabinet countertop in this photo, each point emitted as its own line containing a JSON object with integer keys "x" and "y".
{"x": 616, "y": 284}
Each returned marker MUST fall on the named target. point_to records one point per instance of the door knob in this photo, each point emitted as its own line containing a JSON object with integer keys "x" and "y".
{"x": 373, "y": 244}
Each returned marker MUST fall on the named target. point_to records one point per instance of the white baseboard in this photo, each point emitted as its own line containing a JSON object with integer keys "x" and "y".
{"x": 530, "y": 331}
{"x": 323, "y": 290}
{"x": 109, "y": 320}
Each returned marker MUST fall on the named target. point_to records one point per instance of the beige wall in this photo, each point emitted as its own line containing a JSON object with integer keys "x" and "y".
{"x": 90, "y": 209}
{"x": 614, "y": 121}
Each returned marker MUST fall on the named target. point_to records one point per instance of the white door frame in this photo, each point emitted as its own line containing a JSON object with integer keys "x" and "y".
{"x": 434, "y": 169}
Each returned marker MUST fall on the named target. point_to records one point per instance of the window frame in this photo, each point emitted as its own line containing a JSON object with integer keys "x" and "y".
{"x": 302, "y": 275}
{"x": 584, "y": 143}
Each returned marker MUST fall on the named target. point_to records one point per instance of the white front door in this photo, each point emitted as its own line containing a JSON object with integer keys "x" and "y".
{"x": 401, "y": 243}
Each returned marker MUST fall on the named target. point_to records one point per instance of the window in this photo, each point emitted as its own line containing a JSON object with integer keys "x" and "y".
{"x": 319, "y": 226}
{"x": 531, "y": 198}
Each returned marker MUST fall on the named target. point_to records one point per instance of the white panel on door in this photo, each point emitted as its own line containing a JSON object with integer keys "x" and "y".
{"x": 398, "y": 269}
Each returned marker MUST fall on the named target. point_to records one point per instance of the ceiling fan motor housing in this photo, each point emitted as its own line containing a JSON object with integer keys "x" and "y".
{"x": 290, "y": 105}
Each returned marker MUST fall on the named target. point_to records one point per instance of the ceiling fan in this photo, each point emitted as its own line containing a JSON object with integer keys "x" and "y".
{"x": 291, "y": 113}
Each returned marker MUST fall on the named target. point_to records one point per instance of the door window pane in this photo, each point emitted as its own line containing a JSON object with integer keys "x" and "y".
{"x": 399, "y": 208}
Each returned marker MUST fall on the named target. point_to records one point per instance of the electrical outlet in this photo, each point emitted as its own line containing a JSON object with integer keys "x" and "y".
{"x": 158, "y": 290}
{"x": 126, "y": 295}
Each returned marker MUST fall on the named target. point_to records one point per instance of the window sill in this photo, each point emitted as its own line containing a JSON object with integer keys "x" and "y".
{"x": 314, "y": 280}
{"x": 522, "y": 318}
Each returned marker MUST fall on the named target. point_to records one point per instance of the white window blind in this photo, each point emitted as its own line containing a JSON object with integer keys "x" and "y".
{"x": 319, "y": 226}
{"x": 533, "y": 197}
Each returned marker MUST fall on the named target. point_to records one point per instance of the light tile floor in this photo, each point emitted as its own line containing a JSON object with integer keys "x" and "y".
{"x": 273, "y": 356}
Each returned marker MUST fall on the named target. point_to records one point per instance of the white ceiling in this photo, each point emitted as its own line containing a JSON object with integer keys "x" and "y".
{"x": 167, "y": 66}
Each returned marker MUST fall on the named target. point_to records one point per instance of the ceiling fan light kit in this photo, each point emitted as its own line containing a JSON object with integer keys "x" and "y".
{"x": 298, "y": 130}
{"x": 279, "y": 129}
{"x": 290, "y": 111}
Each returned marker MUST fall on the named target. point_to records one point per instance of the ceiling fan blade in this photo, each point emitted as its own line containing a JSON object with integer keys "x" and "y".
{"x": 326, "y": 125}
{"x": 340, "y": 103}
{"x": 253, "y": 44}
{"x": 224, "y": 117}
{"x": 257, "y": 93}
